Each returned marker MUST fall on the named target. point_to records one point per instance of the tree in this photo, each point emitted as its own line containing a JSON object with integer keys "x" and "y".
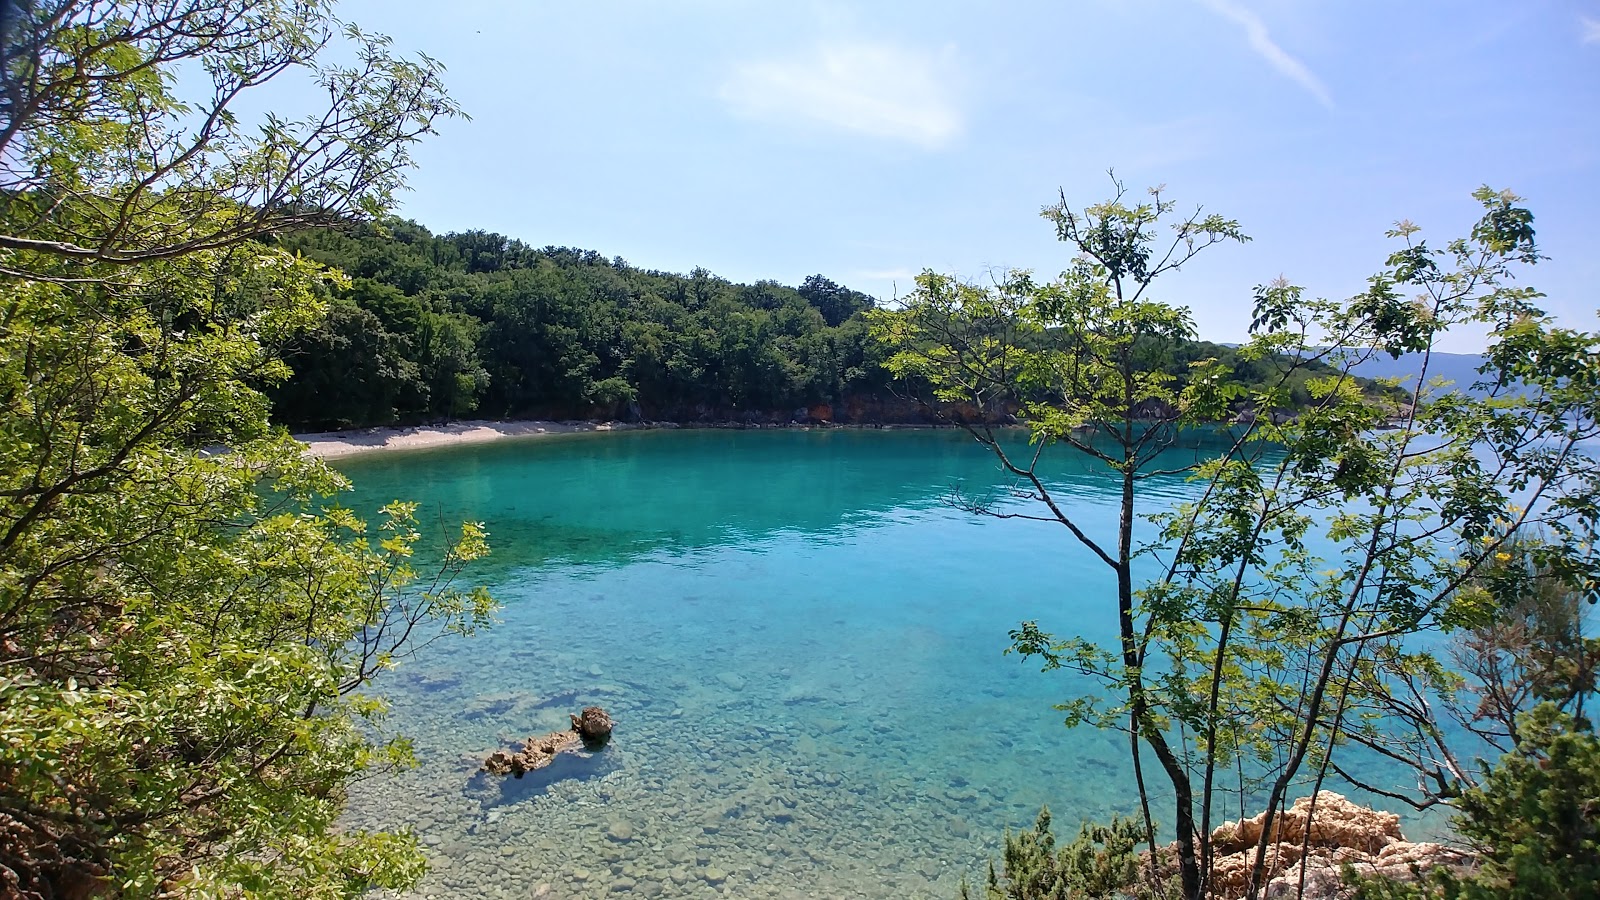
{"x": 836, "y": 302}
{"x": 105, "y": 165}
{"x": 1321, "y": 535}
{"x": 349, "y": 371}
{"x": 1079, "y": 359}
{"x": 1536, "y": 818}
{"x": 1513, "y": 655}
{"x": 185, "y": 635}
{"x": 1424, "y": 515}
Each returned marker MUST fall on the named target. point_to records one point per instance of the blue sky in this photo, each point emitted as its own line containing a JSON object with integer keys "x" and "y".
{"x": 868, "y": 141}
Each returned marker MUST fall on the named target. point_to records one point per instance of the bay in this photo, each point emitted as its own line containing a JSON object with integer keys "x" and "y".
{"x": 800, "y": 638}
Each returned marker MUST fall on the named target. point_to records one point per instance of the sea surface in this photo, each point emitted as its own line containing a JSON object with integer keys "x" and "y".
{"x": 800, "y": 636}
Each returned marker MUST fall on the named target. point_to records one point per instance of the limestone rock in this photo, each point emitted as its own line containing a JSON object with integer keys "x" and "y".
{"x": 1339, "y": 823}
{"x": 536, "y": 753}
{"x": 1340, "y": 833}
{"x": 589, "y": 730}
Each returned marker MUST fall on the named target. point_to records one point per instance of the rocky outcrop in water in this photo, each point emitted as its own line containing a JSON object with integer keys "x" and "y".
{"x": 593, "y": 726}
{"x": 590, "y": 730}
{"x": 1340, "y": 833}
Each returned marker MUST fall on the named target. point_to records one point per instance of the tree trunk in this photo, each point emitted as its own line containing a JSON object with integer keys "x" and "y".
{"x": 1183, "y": 792}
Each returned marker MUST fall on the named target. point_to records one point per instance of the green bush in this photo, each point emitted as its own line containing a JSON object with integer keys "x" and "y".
{"x": 1103, "y": 862}
{"x": 1535, "y": 821}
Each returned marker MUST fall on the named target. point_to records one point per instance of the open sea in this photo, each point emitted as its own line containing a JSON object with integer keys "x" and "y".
{"x": 801, "y": 641}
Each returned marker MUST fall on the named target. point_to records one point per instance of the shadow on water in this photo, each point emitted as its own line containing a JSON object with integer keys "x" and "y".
{"x": 573, "y": 766}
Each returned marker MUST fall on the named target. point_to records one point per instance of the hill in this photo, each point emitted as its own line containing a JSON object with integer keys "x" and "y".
{"x": 436, "y": 327}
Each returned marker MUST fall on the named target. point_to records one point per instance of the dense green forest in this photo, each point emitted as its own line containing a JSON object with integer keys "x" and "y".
{"x": 435, "y": 327}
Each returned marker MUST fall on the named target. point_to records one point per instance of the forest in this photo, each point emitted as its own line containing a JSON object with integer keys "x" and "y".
{"x": 436, "y": 327}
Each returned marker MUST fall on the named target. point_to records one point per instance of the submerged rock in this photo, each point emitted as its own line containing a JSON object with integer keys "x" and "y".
{"x": 536, "y": 753}
{"x": 590, "y": 730}
{"x": 593, "y": 726}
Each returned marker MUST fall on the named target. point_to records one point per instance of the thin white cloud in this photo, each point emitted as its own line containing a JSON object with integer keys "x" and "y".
{"x": 868, "y": 88}
{"x": 1591, "y": 29}
{"x": 1261, "y": 41}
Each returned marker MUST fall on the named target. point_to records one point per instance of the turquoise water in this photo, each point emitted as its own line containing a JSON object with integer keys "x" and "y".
{"x": 801, "y": 642}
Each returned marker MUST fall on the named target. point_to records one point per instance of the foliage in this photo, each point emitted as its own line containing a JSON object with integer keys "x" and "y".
{"x": 104, "y": 164}
{"x": 436, "y": 327}
{"x": 1275, "y": 620}
{"x": 1536, "y": 818}
{"x": 184, "y": 633}
{"x": 1102, "y": 862}
{"x": 439, "y": 326}
{"x": 1534, "y": 821}
{"x": 1526, "y": 648}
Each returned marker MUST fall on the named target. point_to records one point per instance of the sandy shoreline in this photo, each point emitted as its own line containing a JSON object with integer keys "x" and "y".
{"x": 337, "y": 444}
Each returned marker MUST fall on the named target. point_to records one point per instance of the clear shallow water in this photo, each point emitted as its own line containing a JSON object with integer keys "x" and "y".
{"x": 800, "y": 641}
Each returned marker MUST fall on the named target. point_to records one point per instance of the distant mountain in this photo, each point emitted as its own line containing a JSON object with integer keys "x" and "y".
{"x": 1461, "y": 368}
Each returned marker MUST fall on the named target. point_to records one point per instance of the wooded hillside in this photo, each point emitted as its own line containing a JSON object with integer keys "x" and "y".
{"x": 437, "y": 327}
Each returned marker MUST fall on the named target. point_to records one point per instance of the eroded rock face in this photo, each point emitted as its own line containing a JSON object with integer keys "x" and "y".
{"x": 536, "y": 753}
{"x": 1339, "y": 823}
{"x": 1340, "y": 832}
{"x": 589, "y": 730}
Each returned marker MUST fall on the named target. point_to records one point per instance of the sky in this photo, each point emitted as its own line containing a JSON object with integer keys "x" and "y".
{"x": 869, "y": 141}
